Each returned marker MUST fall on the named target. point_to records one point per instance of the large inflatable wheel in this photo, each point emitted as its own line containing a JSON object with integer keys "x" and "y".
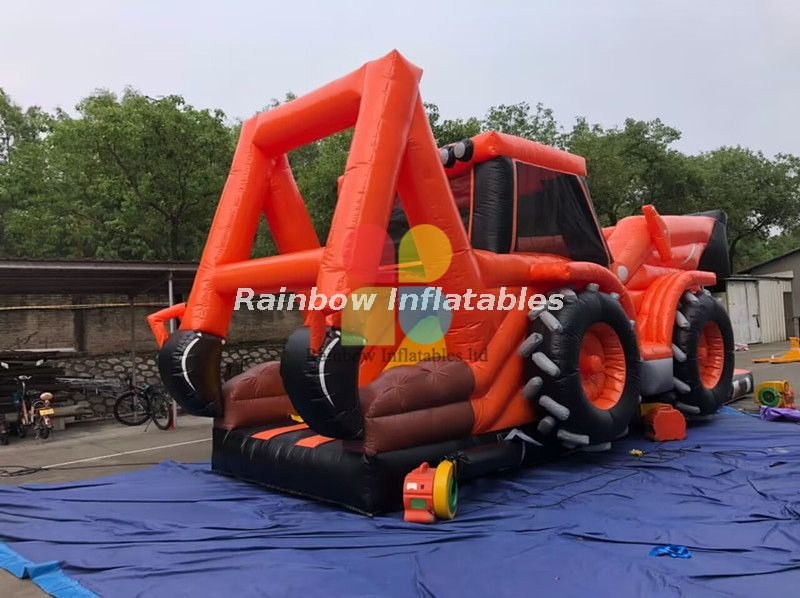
{"x": 703, "y": 355}
{"x": 583, "y": 370}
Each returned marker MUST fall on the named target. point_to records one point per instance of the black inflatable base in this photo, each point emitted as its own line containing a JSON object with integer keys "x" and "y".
{"x": 337, "y": 473}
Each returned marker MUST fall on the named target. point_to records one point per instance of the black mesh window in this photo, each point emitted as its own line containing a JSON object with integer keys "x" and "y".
{"x": 461, "y": 186}
{"x": 554, "y": 216}
{"x": 398, "y": 226}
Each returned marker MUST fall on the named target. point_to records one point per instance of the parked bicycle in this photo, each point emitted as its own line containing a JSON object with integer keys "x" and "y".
{"x": 33, "y": 415}
{"x": 139, "y": 404}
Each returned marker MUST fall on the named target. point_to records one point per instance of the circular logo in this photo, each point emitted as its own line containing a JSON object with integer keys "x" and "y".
{"x": 423, "y": 314}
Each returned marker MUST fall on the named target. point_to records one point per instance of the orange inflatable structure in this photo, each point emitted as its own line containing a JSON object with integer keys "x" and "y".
{"x": 506, "y": 318}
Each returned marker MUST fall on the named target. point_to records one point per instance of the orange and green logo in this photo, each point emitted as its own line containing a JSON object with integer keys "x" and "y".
{"x": 406, "y": 299}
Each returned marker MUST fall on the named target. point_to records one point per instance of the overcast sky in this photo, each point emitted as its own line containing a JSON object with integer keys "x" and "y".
{"x": 723, "y": 72}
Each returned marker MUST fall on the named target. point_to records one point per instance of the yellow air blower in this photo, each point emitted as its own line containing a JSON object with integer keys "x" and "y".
{"x": 775, "y": 393}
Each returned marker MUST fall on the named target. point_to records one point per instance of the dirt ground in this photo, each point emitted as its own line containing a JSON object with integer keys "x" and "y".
{"x": 93, "y": 450}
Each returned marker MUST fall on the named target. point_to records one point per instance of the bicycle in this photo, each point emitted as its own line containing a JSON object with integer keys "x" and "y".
{"x": 138, "y": 404}
{"x": 36, "y": 415}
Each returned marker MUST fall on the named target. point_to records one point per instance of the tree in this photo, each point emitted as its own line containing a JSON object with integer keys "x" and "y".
{"x": 760, "y": 195}
{"x": 20, "y": 131}
{"x": 132, "y": 177}
{"x": 19, "y": 126}
{"x": 634, "y": 165}
{"x": 520, "y": 119}
{"x": 450, "y": 130}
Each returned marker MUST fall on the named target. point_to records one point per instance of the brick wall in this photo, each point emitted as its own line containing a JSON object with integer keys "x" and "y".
{"x": 102, "y": 338}
{"x": 28, "y": 329}
{"x": 100, "y": 331}
{"x": 112, "y": 371}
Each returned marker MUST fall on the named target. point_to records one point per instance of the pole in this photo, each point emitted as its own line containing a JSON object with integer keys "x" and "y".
{"x": 171, "y": 301}
{"x": 132, "y": 338}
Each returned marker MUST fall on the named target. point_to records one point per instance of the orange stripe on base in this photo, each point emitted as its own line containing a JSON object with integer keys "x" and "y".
{"x": 313, "y": 441}
{"x": 270, "y": 434}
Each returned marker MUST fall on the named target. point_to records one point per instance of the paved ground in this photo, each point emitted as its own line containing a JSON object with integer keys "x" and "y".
{"x": 92, "y": 450}
{"x": 98, "y": 449}
{"x": 767, "y": 371}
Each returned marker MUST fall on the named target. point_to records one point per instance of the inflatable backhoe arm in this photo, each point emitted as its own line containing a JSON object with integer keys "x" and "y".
{"x": 392, "y": 150}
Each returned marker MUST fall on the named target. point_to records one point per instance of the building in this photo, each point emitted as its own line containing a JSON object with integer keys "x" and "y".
{"x": 787, "y": 266}
{"x": 100, "y": 307}
{"x": 93, "y": 315}
{"x": 757, "y": 306}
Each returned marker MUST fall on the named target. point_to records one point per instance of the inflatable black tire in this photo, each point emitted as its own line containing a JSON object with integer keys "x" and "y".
{"x": 562, "y": 369}
{"x": 323, "y": 388}
{"x": 189, "y": 367}
{"x": 703, "y": 356}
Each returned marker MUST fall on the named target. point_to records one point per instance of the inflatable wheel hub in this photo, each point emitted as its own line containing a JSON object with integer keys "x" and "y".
{"x": 602, "y": 366}
{"x": 591, "y": 364}
{"x": 710, "y": 354}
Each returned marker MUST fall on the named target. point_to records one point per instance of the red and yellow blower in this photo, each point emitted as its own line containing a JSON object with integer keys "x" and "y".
{"x": 775, "y": 393}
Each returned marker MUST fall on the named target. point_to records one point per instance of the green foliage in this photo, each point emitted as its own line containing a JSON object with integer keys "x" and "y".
{"x": 760, "y": 195}
{"x": 18, "y": 127}
{"x": 519, "y": 119}
{"x": 450, "y": 130}
{"x": 134, "y": 177}
{"x": 317, "y": 169}
{"x": 131, "y": 178}
{"x": 632, "y": 166}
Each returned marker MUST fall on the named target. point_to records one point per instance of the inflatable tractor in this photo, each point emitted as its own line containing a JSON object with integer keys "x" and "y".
{"x": 352, "y": 408}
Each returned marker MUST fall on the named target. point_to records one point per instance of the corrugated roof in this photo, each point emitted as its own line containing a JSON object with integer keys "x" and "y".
{"x": 23, "y": 277}
{"x": 769, "y": 261}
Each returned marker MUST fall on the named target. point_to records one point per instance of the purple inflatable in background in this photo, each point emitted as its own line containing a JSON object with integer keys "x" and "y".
{"x": 772, "y": 414}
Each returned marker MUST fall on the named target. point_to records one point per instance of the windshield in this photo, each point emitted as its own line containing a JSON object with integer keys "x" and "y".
{"x": 554, "y": 216}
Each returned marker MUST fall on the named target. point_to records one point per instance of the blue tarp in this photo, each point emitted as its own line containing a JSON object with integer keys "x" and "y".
{"x": 582, "y": 526}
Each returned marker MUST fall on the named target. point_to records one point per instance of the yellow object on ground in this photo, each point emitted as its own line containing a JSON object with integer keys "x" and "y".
{"x": 445, "y": 491}
{"x": 636, "y": 452}
{"x": 774, "y": 393}
{"x": 792, "y": 355}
